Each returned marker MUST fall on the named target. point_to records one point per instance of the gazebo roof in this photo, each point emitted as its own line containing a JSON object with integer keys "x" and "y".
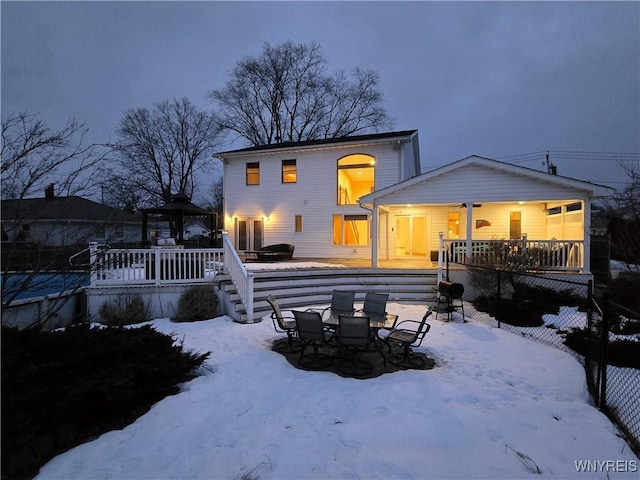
{"x": 179, "y": 204}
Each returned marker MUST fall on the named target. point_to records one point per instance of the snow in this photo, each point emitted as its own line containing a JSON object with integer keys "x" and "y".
{"x": 496, "y": 406}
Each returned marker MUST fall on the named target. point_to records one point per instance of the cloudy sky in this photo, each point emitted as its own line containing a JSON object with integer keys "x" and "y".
{"x": 505, "y": 80}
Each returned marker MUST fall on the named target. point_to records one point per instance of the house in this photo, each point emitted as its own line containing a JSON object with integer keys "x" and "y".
{"x": 61, "y": 221}
{"x": 306, "y": 193}
{"x": 365, "y": 197}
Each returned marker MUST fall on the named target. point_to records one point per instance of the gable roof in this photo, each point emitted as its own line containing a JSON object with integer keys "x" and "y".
{"x": 356, "y": 139}
{"x": 593, "y": 190}
{"x": 71, "y": 208}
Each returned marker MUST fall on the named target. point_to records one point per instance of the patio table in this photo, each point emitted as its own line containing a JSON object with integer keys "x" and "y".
{"x": 376, "y": 322}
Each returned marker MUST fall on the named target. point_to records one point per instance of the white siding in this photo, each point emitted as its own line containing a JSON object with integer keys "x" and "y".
{"x": 477, "y": 184}
{"x": 313, "y": 196}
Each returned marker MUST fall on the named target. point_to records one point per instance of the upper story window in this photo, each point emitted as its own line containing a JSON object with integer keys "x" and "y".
{"x": 356, "y": 178}
{"x": 289, "y": 171}
{"x": 253, "y": 173}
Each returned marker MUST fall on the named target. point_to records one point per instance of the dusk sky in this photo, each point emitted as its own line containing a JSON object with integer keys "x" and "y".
{"x": 505, "y": 80}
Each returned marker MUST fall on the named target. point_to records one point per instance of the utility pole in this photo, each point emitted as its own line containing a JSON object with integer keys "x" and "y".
{"x": 551, "y": 168}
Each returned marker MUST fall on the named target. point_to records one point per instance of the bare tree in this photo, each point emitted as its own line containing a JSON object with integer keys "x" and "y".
{"x": 624, "y": 217}
{"x": 160, "y": 151}
{"x": 33, "y": 156}
{"x": 286, "y": 94}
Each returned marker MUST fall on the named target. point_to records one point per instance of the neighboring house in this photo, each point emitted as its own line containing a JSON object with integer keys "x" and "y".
{"x": 62, "y": 221}
{"x": 364, "y": 197}
{"x": 195, "y": 230}
{"x": 306, "y": 193}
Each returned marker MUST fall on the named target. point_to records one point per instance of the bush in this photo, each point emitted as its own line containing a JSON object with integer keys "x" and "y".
{"x": 198, "y": 302}
{"x": 527, "y": 305}
{"x": 125, "y": 310}
{"x": 620, "y": 353}
{"x": 63, "y": 388}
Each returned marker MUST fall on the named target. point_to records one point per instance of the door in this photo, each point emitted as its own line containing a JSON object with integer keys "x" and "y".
{"x": 411, "y": 236}
{"x": 250, "y": 234}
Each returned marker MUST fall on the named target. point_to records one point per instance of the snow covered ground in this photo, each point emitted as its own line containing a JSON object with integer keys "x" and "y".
{"x": 496, "y": 406}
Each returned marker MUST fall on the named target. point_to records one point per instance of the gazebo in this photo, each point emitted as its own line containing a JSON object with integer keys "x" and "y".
{"x": 178, "y": 208}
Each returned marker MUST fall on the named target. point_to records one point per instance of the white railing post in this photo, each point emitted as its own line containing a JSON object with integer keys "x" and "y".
{"x": 240, "y": 276}
{"x": 93, "y": 263}
{"x": 440, "y": 256}
{"x": 157, "y": 265}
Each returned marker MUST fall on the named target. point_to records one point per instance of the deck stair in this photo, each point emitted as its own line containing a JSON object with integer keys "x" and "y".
{"x": 313, "y": 286}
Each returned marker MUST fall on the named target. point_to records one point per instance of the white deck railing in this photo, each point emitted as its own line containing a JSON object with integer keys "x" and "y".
{"x": 240, "y": 276}
{"x": 153, "y": 266}
{"x": 558, "y": 255}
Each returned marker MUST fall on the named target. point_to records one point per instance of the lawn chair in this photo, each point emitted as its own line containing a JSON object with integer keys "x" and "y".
{"x": 312, "y": 333}
{"x": 375, "y": 303}
{"x": 354, "y": 336}
{"x": 408, "y": 338}
{"x": 283, "y": 324}
{"x": 341, "y": 304}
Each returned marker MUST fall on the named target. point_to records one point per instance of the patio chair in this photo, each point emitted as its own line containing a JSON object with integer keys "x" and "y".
{"x": 354, "y": 338}
{"x": 375, "y": 303}
{"x": 283, "y": 324}
{"x": 341, "y": 304}
{"x": 407, "y": 338}
{"x": 311, "y": 333}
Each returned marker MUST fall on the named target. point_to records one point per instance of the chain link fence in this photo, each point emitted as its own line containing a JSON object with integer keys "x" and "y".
{"x": 560, "y": 310}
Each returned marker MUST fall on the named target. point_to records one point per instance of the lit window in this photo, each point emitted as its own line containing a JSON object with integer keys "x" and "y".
{"x": 356, "y": 175}
{"x": 453, "y": 220}
{"x": 351, "y": 230}
{"x": 253, "y": 173}
{"x": 289, "y": 171}
{"x": 298, "y": 223}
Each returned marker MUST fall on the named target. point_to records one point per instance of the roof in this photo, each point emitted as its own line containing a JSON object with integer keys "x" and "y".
{"x": 179, "y": 204}
{"x": 387, "y": 136}
{"x": 71, "y": 208}
{"x": 595, "y": 190}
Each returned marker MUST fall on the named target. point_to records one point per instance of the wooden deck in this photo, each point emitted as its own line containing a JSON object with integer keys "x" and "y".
{"x": 414, "y": 264}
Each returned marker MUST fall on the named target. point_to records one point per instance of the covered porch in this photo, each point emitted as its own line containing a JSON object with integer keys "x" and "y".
{"x": 478, "y": 209}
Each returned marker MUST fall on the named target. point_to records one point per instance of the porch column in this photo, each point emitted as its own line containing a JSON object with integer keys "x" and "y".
{"x": 469, "y": 233}
{"x": 586, "y": 254}
{"x": 374, "y": 236}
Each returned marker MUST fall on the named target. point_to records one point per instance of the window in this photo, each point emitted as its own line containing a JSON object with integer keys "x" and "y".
{"x": 515, "y": 225}
{"x": 289, "y": 171}
{"x": 351, "y": 230}
{"x": 24, "y": 233}
{"x": 298, "y": 224}
{"x": 253, "y": 173}
{"x": 118, "y": 230}
{"x": 453, "y": 222}
{"x": 100, "y": 231}
{"x": 356, "y": 174}
{"x": 574, "y": 207}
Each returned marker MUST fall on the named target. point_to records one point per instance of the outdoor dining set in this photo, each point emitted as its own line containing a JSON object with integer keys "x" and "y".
{"x": 336, "y": 337}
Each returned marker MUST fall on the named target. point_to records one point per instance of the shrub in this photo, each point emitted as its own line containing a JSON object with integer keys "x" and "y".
{"x": 63, "y": 388}
{"x": 198, "y": 302}
{"x": 125, "y": 310}
{"x": 527, "y": 305}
